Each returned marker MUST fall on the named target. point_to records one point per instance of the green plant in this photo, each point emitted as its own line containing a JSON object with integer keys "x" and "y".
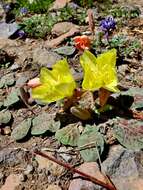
{"x": 38, "y": 26}
{"x": 35, "y": 6}
{"x": 125, "y": 45}
{"x": 125, "y": 12}
{"x": 77, "y": 16}
{"x": 86, "y": 3}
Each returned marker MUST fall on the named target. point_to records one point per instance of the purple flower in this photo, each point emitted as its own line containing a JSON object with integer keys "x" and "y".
{"x": 23, "y": 10}
{"x": 20, "y": 33}
{"x": 108, "y": 24}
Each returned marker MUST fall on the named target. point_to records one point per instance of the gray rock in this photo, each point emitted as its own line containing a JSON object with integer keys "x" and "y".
{"x": 15, "y": 67}
{"x": 125, "y": 168}
{"x": 6, "y": 30}
{"x": 11, "y": 157}
{"x": 22, "y": 177}
{"x": 67, "y": 157}
{"x": 29, "y": 169}
{"x": 45, "y": 58}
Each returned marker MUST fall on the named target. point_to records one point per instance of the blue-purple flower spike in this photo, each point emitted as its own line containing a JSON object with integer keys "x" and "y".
{"x": 108, "y": 24}
{"x": 24, "y": 10}
{"x": 20, "y": 34}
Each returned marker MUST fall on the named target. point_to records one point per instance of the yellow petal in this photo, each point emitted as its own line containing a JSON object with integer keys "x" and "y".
{"x": 56, "y": 84}
{"x": 99, "y": 72}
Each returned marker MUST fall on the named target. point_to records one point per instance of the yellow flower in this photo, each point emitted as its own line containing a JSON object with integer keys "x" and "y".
{"x": 56, "y": 84}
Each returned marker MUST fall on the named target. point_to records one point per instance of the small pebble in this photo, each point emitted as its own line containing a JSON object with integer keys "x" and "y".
{"x": 6, "y": 130}
{"x": 22, "y": 177}
{"x": 29, "y": 169}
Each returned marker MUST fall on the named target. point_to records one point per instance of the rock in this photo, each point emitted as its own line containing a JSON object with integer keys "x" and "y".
{"x": 55, "y": 42}
{"x": 62, "y": 28}
{"x": 125, "y": 168}
{"x": 6, "y": 30}
{"x": 29, "y": 169}
{"x": 12, "y": 181}
{"x": 15, "y": 67}
{"x": 53, "y": 187}
{"x": 52, "y": 167}
{"x": 22, "y": 177}
{"x": 90, "y": 168}
{"x": 122, "y": 69}
{"x": 58, "y": 4}
{"x": 45, "y": 57}
{"x": 11, "y": 157}
{"x": 7, "y": 130}
{"x": 67, "y": 157}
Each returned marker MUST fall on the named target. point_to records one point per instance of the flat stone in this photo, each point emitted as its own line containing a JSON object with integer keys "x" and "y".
{"x": 125, "y": 168}
{"x": 12, "y": 181}
{"x": 62, "y": 28}
{"x": 6, "y": 30}
{"x": 45, "y": 58}
{"x": 53, "y": 187}
{"x": 52, "y": 167}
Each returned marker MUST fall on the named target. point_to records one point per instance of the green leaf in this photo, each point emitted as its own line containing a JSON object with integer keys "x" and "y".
{"x": 65, "y": 50}
{"x": 68, "y": 135}
{"x": 137, "y": 93}
{"x": 5, "y": 117}
{"x": 12, "y": 98}
{"x": 43, "y": 123}
{"x": 7, "y": 80}
{"x": 91, "y": 137}
{"x": 129, "y": 133}
{"x": 21, "y": 131}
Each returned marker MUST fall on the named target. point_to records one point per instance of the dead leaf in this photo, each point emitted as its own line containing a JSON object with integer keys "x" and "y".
{"x": 58, "y": 4}
{"x": 90, "y": 168}
{"x": 103, "y": 96}
{"x": 55, "y": 42}
{"x": 12, "y": 181}
{"x": 91, "y": 20}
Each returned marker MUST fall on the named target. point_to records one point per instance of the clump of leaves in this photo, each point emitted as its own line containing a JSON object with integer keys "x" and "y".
{"x": 36, "y": 6}
{"x": 125, "y": 12}
{"x": 85, "y": 3}
{"x": 38, "y": 26}
{"x": 126, "y": 47}
{"x": 77, "y": 16}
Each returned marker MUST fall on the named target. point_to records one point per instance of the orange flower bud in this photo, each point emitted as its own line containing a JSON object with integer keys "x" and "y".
{"x": 82, "y": 42}
{"x": 34, "y": 83}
